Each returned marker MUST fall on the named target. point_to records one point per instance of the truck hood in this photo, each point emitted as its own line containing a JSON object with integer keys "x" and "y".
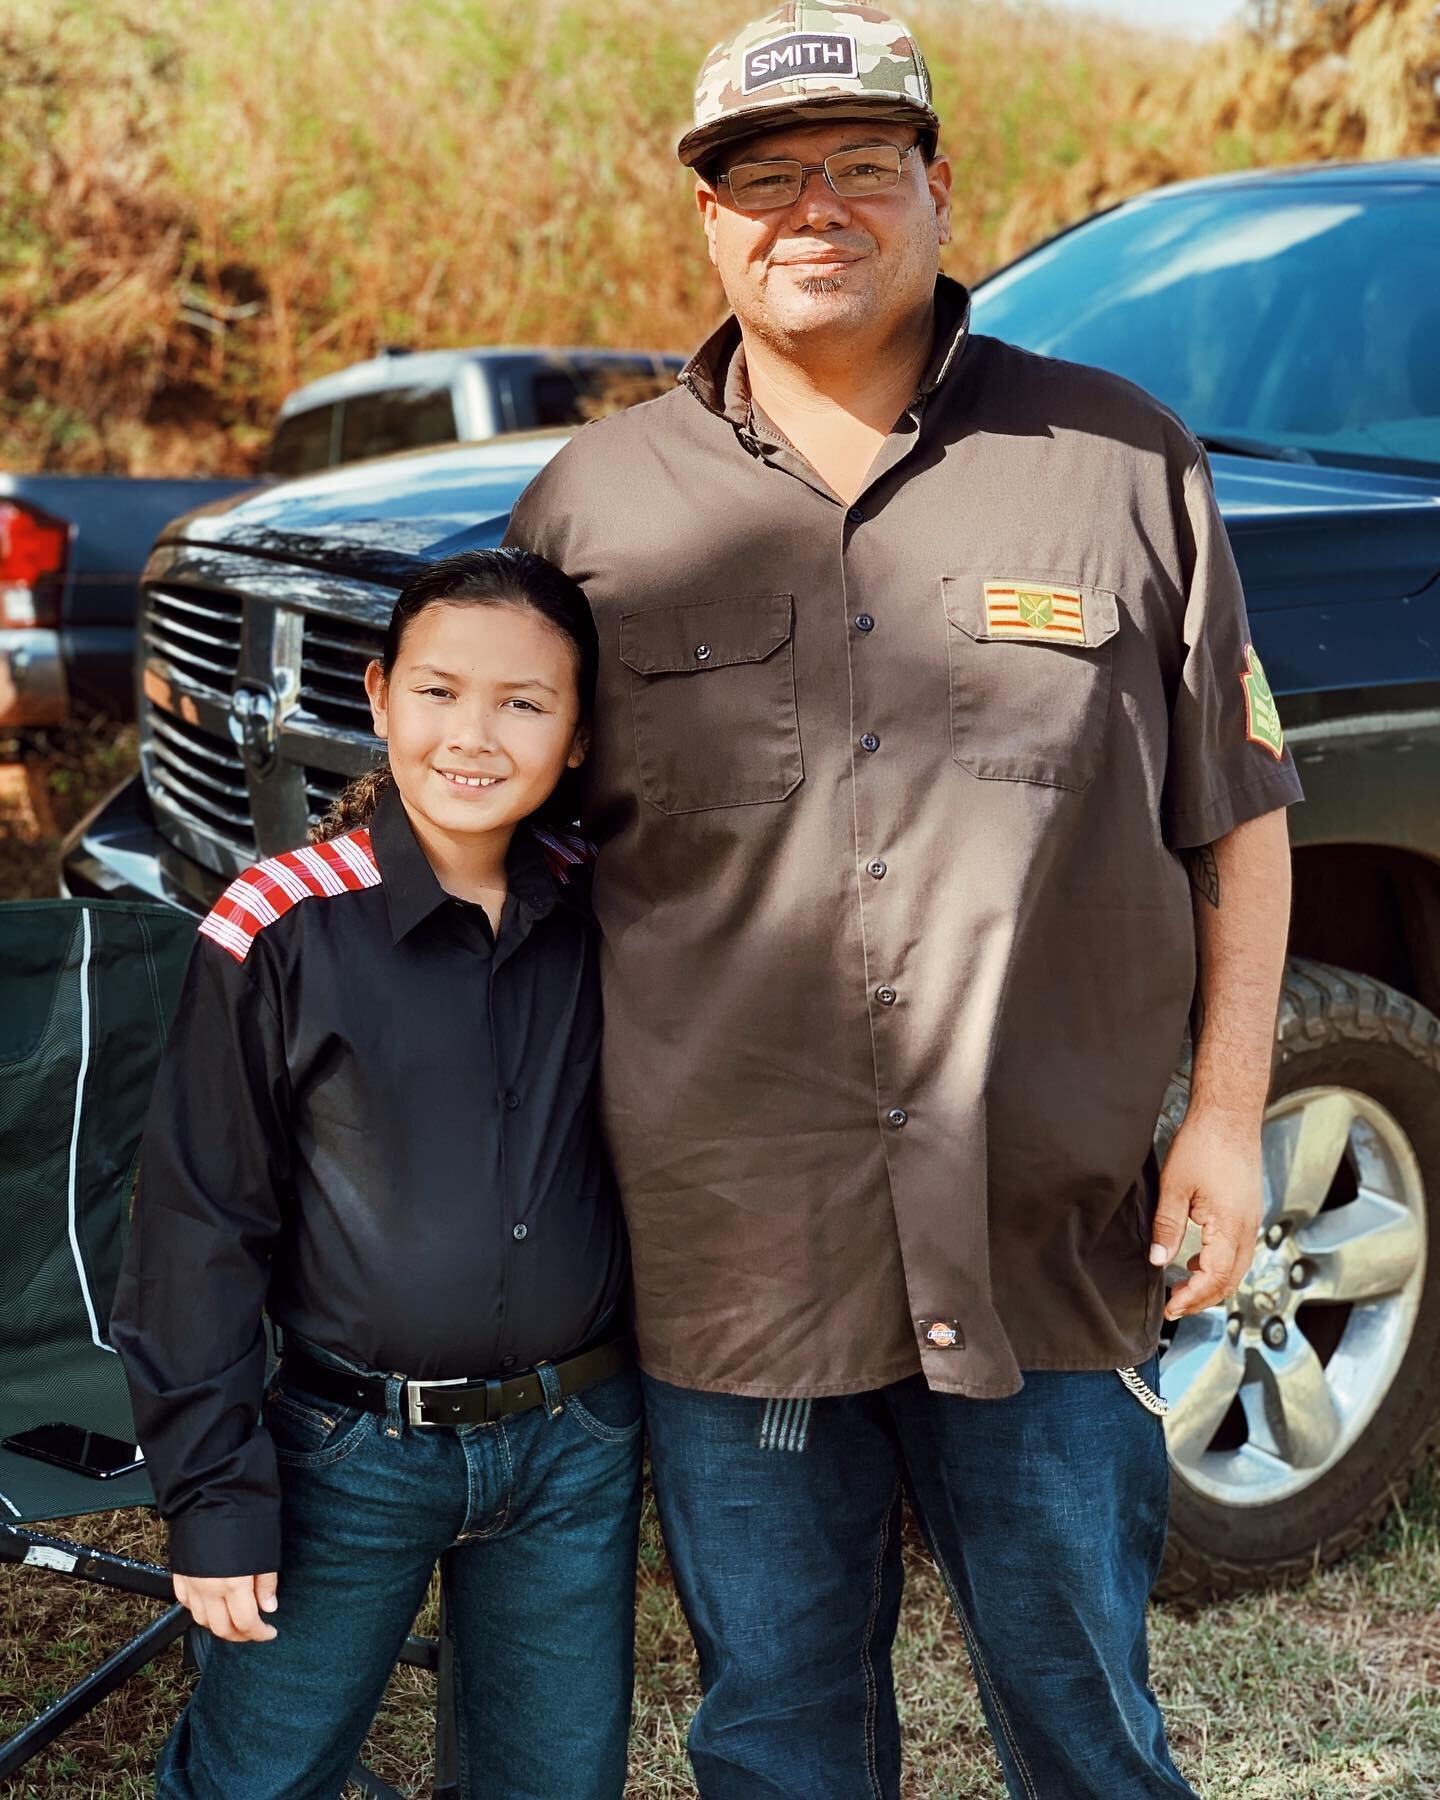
{"x": 1306, "y": 535}
{"x": 383, "y": 518}
{"x": 1302, "y": 534}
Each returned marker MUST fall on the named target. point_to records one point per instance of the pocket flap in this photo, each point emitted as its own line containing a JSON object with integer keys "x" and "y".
{"x": 1042, "y": 609}
{"x": 709, "y": 634}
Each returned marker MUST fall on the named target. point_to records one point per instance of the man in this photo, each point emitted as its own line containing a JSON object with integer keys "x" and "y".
{"x": 925, "y": 674}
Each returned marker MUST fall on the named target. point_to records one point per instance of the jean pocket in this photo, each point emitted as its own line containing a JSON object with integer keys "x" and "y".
{"x": 310, "y": 1433}
{"x": 612, "y": 1410}
{"x": 712, "y": 701}
{"x": 1030, "y": 676}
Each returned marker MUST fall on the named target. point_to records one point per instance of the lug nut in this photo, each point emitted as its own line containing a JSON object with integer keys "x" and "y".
{"x": 1300, "y": 1275}
{"x": 1275, "y": 1236}
{"x": 1233, "y": 1325}
{"x": 1274, "y": 1333}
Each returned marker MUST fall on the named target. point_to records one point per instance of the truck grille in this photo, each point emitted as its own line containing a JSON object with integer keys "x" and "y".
{"x": 197, "y": 630}
{"x": 332, "y": 670}
{"x": 322, "y": 788}
{"x": 203, "y": 776}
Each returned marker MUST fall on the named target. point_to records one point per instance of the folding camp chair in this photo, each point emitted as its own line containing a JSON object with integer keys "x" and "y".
{"x": 86, "y": 992}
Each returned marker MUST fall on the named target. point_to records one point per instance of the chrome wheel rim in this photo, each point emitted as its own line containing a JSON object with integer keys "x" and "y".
{"x": 1268, "y": 1392}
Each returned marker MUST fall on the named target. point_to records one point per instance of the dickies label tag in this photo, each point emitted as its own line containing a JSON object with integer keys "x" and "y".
{"x": 1262, "y": 717}
{"x": 1029, "y": 609}
{"x": 827, "y": 53}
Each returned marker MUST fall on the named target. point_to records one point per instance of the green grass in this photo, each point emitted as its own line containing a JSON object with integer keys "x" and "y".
{"x": 1322, "y": 1692}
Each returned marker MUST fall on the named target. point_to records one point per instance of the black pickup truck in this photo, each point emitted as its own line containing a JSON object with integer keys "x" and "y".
{"x": 1294, "y": 321}
{"x": 72, "y": 546}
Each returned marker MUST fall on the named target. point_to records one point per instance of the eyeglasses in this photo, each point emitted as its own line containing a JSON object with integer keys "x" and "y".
{"x": 853, "y": 174}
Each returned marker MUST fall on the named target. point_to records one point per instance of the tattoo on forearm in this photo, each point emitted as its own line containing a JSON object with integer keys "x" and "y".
{"x": 1204, "y": 872}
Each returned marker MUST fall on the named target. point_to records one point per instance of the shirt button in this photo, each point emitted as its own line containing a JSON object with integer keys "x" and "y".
{"x": 702, "y": 653}
{"x": 855, "y": 515}
{"x": 511, "y": 1102}
{"x": 876, "y": 868}
{"x": 869, "y": 741}
{"x": 520, "y": 1233}
{"x": 897, "y": 1116}
{"x": 863, "y": 622}
{"x": 886, "y": 996}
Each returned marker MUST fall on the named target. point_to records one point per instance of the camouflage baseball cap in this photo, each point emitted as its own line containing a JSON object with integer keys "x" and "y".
{"x": 802, "y": 61}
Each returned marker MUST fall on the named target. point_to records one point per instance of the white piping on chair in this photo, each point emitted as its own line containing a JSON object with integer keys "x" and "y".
{"x": 95, "y": 1336}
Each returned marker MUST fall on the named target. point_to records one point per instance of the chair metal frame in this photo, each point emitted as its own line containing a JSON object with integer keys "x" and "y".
{"x": 83, "y": 1562}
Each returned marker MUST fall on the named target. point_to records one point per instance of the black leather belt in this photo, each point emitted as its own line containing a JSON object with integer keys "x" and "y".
{"x": 457, "y": 1402}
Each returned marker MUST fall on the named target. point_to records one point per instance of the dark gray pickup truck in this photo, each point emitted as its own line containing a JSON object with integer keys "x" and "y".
{"x": 72, "y": 546}
{"x": 1294, "y": 321}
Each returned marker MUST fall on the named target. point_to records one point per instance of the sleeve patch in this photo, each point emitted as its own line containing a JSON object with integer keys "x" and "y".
{"x": 269, "y": 889}
{"x": 1262, "y": 717}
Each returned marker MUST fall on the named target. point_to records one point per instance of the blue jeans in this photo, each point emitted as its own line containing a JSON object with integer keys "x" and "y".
{"x": 1045, "y": 1513}
{"x": 534, "y": 1523}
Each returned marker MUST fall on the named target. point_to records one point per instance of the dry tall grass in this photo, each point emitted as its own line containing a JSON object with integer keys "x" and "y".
{"x": 1316, "y": 80}
{"x": 204, "y": 202}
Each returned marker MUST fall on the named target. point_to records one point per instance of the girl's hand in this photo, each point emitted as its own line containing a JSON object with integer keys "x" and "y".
{"x": 229, "y": 1606}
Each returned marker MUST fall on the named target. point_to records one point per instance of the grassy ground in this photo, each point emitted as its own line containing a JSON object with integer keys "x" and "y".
{"x": 1327, "y": 1692}
{"x": 1330, "y": 1691}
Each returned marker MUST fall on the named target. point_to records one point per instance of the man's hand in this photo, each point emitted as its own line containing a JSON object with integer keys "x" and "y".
{"x": 230, "y": 1606}
{"x": 1212, "y": 1175}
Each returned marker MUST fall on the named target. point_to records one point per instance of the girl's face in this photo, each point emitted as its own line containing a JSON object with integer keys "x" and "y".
{"x": 481, "y": 715}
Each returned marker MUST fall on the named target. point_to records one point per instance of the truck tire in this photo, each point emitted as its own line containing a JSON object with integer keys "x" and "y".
{"x": 1333, "y": 1343}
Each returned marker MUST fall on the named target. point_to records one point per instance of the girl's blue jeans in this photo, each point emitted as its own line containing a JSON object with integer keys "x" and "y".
{"x": 534, "y": 1522}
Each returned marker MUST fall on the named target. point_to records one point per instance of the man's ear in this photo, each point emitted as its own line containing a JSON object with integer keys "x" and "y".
{"x": 707, "y": 202}
{"x": 940, "y": 178}
{"x": 579, "y": 747}
{"x": 376, "y": 693}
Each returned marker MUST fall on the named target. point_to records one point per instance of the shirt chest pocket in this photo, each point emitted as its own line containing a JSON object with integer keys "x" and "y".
{"x": 1030, "y": 676}
{"x": 712, "y": 698}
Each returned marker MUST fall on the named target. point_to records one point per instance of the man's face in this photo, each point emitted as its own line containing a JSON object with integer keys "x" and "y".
{"x": 827, "y": 264}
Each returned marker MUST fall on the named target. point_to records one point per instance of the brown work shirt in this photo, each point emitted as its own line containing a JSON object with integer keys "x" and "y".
{"x": 898, "y": 951}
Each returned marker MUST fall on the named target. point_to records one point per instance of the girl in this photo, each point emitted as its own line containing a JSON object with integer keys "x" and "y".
{"x": 374, "y": 1122}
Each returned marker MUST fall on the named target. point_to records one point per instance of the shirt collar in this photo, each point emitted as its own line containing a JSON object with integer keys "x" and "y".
{"x": 717, "y": 376}
{"x": 412, "y": 889}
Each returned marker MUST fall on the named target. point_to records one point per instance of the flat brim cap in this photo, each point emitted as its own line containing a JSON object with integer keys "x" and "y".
{"x": 804, "y": 61}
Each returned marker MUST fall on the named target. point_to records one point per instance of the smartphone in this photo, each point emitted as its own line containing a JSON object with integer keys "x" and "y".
{"x": 71, "y": 1447}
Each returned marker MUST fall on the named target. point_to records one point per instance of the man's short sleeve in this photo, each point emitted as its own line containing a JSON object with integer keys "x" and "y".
{"x": 535, "y": 521}
{"x": 1227, "y": 757}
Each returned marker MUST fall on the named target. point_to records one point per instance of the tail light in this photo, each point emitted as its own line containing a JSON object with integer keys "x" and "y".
{"x": 32, "y": 565}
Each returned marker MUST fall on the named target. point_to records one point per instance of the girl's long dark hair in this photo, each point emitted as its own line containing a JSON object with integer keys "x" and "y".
{"x": 484, "y": 578}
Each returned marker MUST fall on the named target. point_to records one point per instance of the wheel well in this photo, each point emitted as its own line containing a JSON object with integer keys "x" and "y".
{"x": 1371, "y": 909}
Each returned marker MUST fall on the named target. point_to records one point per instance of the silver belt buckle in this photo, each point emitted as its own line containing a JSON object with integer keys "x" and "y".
{"x": 413, "y": 1396}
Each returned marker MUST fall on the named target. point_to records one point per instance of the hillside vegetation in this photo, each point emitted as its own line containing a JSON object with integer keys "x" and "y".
{"x": 205, "y": 202}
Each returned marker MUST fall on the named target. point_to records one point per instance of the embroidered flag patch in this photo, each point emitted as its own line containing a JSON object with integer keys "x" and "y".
{"x": 1262, "y": 718}
{"x": 1025, "y": 609}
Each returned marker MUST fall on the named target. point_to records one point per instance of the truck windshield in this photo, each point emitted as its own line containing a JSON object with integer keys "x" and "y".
{"x": 1271, "y": 319}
